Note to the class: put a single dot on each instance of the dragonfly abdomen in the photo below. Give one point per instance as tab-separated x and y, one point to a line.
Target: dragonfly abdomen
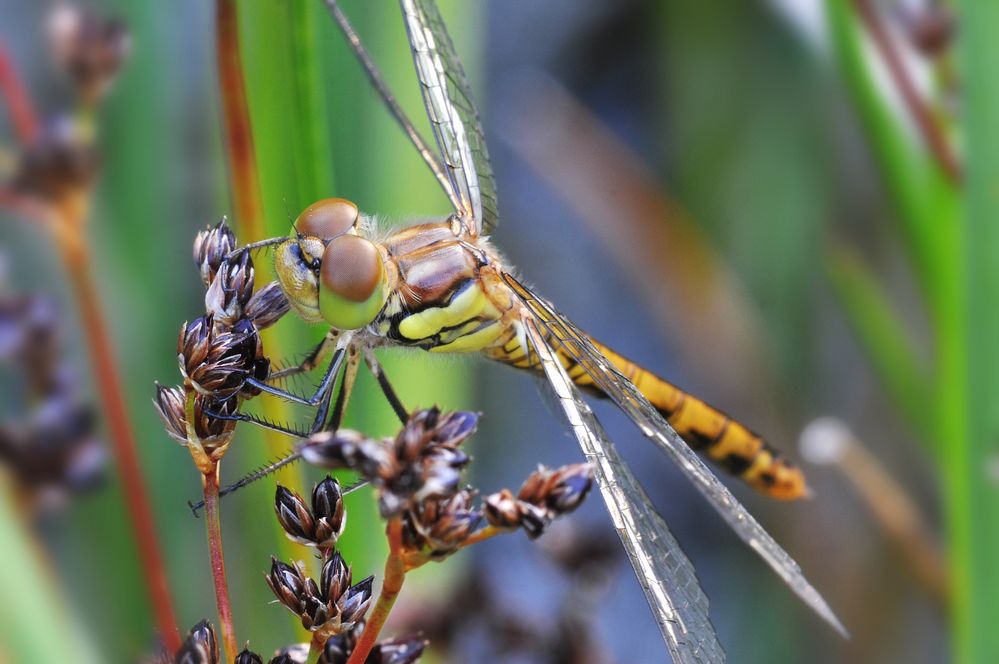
706	429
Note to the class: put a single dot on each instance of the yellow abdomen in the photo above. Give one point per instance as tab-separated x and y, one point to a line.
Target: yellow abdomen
706	429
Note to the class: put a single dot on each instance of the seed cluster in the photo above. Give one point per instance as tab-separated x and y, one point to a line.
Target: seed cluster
418	477
335	607
219	351
52	450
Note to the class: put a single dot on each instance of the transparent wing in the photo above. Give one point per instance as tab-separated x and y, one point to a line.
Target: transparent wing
654	427
453	116
664	571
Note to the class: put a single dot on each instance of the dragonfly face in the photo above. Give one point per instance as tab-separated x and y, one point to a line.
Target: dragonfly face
444	289
328	271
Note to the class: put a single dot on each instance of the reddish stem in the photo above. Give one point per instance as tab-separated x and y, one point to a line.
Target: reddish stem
242	160
213	524
921	113
123	443
22	113
395	575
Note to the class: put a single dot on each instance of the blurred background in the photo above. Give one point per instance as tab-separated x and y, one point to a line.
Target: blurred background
741	196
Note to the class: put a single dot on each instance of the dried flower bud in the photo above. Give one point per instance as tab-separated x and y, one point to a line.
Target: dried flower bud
293	654
354	603
288	584
169	403
400	650
335	578
285	658
231	289
294	515
200	646
211	246
437	528
213	432
561	490
267	305
217	362
58	164
455	427
502	509
346	449
338	648
89	47
248	657
328	510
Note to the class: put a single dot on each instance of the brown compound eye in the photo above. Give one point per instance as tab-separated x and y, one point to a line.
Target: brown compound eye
327	218
351	283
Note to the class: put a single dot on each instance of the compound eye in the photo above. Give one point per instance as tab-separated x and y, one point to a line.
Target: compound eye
352	283
327	218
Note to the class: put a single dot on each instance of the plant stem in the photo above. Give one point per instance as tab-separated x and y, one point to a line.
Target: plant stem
921	113
19	104
123	442
242	160
213	525
395	575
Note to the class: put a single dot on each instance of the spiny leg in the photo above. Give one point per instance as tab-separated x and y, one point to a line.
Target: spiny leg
311	361
322	390
321	398
346	388
385	385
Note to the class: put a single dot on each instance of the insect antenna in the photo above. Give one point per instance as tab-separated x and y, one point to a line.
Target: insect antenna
253	246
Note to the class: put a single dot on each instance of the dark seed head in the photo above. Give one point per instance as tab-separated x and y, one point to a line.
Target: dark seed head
294	515
267	305
211	247
335	578
248	657
338	648
327	508
89	47
200	646
169	403
288	584
231	289
400	650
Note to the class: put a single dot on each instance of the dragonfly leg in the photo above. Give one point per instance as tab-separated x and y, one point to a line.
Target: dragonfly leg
253	419
321	393
311	361
346	388
383	382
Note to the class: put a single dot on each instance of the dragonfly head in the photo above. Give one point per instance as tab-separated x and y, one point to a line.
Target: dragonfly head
328	271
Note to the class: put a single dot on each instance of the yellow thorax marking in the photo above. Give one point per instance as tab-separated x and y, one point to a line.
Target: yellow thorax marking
465	306
475	341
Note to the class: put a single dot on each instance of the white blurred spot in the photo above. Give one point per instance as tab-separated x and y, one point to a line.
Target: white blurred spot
825	440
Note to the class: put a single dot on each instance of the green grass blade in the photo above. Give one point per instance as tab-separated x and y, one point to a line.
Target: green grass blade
884	338
971	400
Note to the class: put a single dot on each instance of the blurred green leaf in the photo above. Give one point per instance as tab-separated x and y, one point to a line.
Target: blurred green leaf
885	339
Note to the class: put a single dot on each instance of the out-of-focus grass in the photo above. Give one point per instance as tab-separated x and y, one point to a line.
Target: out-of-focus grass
951	236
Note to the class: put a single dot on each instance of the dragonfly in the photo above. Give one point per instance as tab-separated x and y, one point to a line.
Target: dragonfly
443	287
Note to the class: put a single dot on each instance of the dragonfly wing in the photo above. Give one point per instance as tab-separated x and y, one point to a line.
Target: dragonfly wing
664	571
654	427
453	116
